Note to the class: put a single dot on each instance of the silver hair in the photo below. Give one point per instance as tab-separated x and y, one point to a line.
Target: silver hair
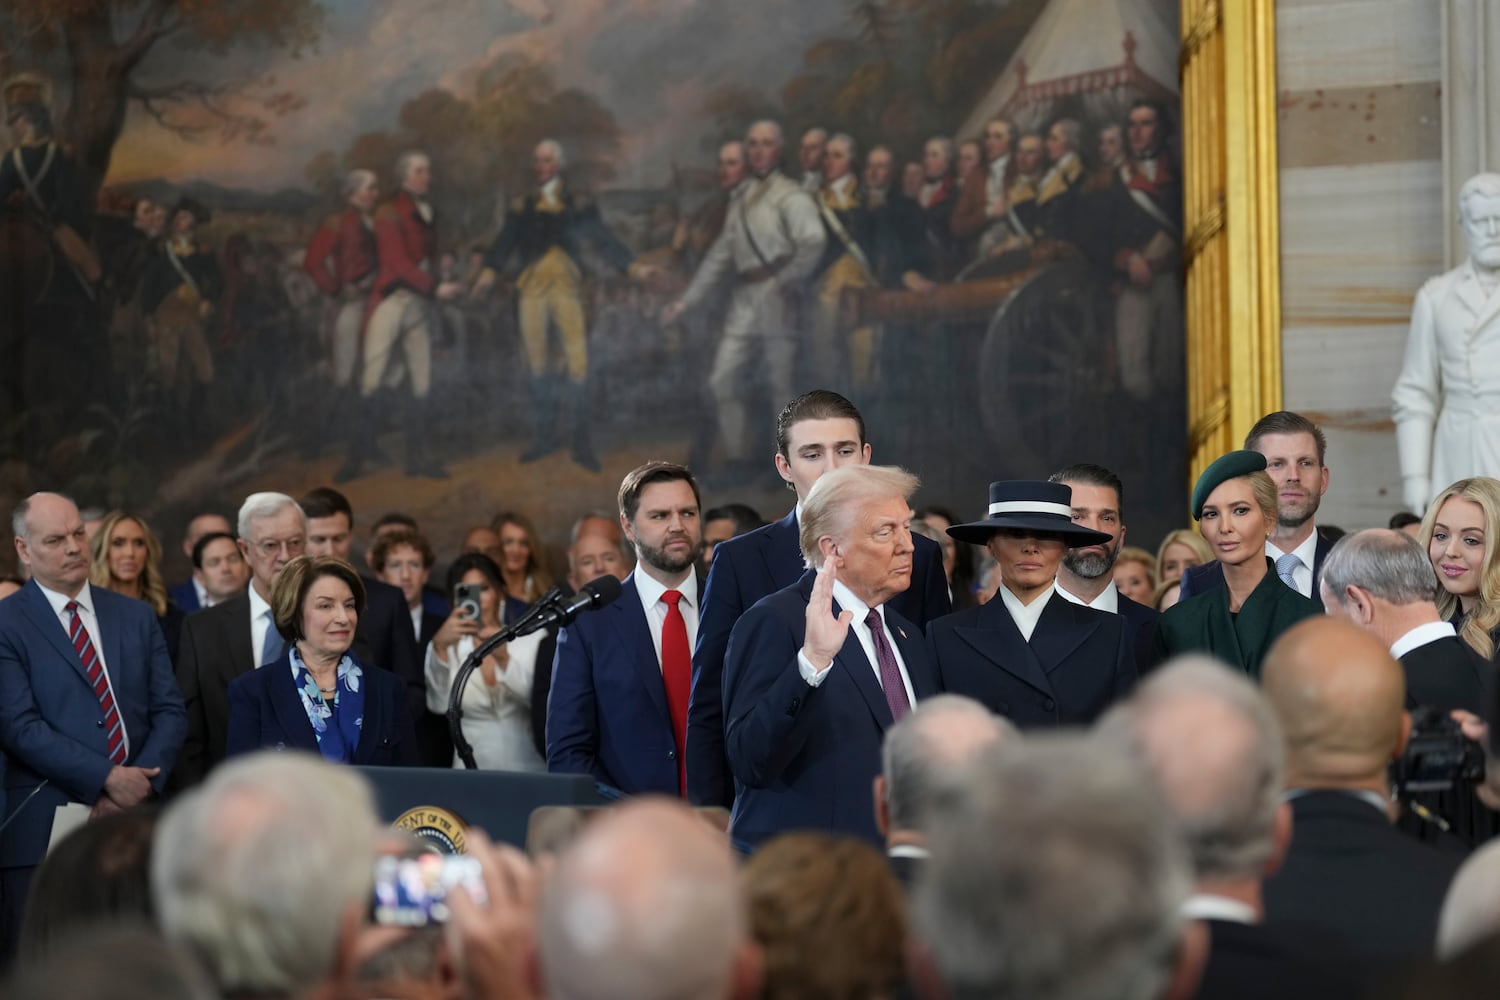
405	161
254	869
18	526
1391	565
1071	130
1471	911
1486	185
555	148
838	496
1224	791
944	143
1055	874
593	515
923	751
771	124
847	141
664	926
262	505
357	180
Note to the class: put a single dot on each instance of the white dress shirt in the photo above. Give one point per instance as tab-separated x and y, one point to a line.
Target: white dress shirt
416	621
204	601
650	589
846	601
1421	636
1206	906
90	620
260	624
497	720
1026	615
1108	599
1308	553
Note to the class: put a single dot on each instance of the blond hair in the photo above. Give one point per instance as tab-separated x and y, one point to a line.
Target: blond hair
836	498
153	587
1480	622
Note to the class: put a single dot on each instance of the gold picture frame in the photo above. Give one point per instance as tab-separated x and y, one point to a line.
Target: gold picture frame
1231	232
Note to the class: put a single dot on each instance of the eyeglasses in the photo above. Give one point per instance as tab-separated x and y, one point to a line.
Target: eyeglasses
268	547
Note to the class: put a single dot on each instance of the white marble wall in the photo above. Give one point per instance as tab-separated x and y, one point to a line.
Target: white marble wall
1361	224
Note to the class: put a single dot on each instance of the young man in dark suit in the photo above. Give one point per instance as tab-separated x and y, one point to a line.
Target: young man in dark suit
89	710
1029	654
818	671
1294	448
1086	575
620	679
816	432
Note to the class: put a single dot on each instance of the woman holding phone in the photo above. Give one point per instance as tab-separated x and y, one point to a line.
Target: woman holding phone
497	700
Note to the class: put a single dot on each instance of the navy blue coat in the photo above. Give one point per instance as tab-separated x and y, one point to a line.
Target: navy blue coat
186	596
607	712
265	712
1140	622
1079	661
803	757
746	569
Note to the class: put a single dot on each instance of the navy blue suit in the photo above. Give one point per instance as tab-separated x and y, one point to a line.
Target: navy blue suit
185	596
1197	579
1078	662
52	726
607	712
745	569
265	712
1141	624
803	757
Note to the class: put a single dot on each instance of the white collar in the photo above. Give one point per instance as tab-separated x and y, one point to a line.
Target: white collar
848	601
258	605
1026	615
1108	599
1375	801
59	600
1207	906
549	189
997	167
907	851
1307	551
1420	636
841	185
651	589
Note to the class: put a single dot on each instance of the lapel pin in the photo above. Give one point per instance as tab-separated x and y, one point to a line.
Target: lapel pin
900	632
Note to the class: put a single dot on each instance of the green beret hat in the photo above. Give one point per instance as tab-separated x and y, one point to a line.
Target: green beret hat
1221	470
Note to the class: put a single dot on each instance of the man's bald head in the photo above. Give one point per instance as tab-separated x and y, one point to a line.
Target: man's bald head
645	904
1340	697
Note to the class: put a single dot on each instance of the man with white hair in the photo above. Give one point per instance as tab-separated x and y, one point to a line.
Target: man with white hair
1383	581
265	872
1447	427
818	671
547	231
1055	873
237	636
1215	748
922	754
771	242
811	152
646	905
398	337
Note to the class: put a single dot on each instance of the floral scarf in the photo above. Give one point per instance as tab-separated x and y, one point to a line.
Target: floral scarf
336	727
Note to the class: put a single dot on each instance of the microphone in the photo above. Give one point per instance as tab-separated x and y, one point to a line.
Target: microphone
591	596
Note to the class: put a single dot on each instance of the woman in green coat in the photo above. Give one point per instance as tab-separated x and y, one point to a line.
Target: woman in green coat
1234	504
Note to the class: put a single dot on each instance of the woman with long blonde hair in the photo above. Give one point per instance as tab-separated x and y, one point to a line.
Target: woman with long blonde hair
125	556
1459	532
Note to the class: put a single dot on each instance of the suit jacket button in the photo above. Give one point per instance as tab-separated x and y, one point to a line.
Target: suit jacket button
1049	704
100	724
671	755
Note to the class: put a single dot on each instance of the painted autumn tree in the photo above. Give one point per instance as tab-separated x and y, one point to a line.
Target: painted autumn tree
106	56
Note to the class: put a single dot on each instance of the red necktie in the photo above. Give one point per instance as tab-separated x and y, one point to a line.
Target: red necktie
677	676
84	647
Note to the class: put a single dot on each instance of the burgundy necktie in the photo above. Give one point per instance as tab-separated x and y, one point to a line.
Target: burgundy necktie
890	673
677	676
84	647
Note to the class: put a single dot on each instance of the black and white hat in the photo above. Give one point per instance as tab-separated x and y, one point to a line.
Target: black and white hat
1030	505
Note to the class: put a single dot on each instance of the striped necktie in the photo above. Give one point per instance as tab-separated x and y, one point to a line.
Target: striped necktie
83	645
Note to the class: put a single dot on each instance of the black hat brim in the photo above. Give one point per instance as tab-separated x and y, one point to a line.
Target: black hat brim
1076	535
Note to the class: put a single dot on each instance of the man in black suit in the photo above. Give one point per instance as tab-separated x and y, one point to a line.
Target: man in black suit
923	753
1216	750
1030	655
383	634
229	639
1382	581
818	431
1294	448
1086	575
1349	872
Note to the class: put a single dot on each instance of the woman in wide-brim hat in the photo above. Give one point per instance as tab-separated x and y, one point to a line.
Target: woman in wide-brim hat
1234	504
1031	654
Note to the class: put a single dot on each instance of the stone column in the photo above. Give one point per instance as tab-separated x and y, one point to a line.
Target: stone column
1471	135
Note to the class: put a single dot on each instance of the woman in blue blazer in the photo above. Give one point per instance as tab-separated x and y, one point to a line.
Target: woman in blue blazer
317	696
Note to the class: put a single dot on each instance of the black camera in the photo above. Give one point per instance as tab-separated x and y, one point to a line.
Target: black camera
1438	756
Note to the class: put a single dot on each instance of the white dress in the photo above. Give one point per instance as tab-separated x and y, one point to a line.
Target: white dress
497	720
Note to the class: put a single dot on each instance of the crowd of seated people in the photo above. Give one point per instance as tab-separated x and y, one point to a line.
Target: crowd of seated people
863	751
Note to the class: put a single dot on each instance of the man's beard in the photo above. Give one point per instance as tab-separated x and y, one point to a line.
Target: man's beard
660	559
1289	521
1090	565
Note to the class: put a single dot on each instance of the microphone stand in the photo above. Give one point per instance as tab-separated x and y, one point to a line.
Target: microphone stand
522	626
